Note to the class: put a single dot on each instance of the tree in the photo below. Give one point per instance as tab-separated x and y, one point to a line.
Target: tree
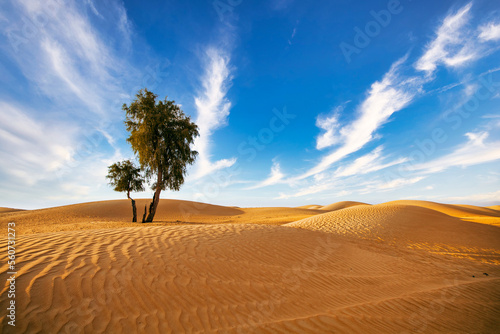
124	176
161	136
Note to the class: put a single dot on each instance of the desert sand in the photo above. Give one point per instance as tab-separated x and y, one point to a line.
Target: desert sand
347	267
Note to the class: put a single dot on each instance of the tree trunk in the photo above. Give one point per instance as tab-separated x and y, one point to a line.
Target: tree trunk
134	209
156	197
144	215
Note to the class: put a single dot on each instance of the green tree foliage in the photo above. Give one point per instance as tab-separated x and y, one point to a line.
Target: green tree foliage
125	177
161	136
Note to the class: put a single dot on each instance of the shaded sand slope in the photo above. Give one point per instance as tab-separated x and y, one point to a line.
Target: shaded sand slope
410	226
333	206
118	213
341	205
310	206
237	278
7	210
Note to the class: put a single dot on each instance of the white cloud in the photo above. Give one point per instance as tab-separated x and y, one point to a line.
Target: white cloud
276	176
397	183
475	151
66	58
307	191
385	97
32	150
450	46
330	124
93	8
490	32
454	45
74	74
485	199
368	163
212	110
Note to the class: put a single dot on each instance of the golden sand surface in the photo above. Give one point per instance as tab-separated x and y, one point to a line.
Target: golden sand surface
341	205
398	267
9	210
118	213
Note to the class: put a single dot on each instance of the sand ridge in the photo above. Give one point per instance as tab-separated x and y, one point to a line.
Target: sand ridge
118	213
9	210
410	226
310	206
451	209
341	205
333	206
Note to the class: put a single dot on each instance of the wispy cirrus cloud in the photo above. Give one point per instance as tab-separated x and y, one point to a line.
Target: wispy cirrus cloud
76	74
212	108
492	198
490	32
393	184
66	57
449	47
309	190
345	177
368	163
33	149
457	43
473	152
330	124
454	45
276	176
385	97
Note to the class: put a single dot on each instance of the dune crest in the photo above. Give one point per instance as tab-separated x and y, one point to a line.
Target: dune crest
118	213
410	226
342	205
451	209
310	206
8	210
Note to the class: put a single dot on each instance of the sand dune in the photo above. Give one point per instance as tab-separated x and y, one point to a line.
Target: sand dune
451	209
7	210
341	205
238	279
118	213
483	215
367	268
333	206
310	206
412	227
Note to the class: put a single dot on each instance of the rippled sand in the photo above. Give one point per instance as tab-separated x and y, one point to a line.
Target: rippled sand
404	267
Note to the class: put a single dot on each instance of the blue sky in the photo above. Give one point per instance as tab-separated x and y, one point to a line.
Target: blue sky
297	102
